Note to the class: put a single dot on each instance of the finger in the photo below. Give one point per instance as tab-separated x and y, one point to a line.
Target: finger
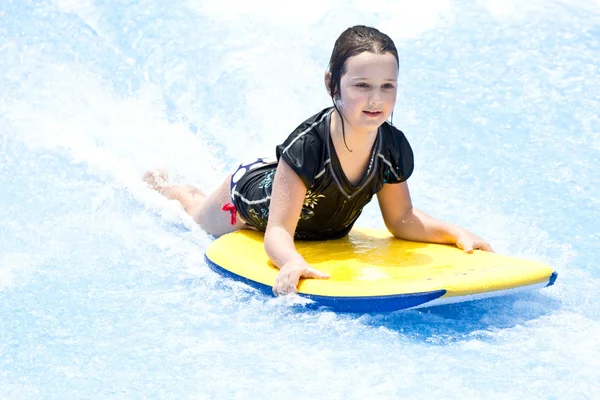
285	284
315	273
486	247
291	283
278	287
291	288
468	247
283	289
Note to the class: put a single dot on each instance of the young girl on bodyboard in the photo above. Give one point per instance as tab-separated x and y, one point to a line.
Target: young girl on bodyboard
327	170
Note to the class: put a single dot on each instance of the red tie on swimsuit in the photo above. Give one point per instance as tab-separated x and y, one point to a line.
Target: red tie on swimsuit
232	210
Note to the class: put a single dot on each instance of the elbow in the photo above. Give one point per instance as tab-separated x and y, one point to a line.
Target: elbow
267	241
400	224
271	239
396	230
390	226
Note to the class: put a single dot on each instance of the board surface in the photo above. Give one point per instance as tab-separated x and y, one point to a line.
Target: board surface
371	271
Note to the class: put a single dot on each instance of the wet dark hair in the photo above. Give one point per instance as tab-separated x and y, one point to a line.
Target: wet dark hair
354	41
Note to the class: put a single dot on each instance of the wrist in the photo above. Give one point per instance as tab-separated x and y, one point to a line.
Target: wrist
295	261
454	233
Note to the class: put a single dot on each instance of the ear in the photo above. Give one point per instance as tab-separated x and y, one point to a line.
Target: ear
328	83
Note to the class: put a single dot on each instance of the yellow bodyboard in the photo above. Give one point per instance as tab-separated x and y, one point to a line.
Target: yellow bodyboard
373	271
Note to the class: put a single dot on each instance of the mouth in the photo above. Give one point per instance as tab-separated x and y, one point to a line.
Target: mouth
372	113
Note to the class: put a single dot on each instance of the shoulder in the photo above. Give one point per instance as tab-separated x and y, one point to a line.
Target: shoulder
304	149
396	152
315	126
316	121
312	131
392	135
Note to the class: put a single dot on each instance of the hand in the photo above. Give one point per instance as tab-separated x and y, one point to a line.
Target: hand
290	274
468	242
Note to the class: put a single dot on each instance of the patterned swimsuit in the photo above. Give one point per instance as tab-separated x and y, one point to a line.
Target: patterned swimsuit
332	203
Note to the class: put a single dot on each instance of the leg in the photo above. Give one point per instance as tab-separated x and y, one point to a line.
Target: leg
210	215
206	210
190	197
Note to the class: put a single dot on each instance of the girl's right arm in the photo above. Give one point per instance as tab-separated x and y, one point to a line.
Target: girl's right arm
287	199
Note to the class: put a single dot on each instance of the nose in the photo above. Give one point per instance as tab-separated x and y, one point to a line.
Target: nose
375	97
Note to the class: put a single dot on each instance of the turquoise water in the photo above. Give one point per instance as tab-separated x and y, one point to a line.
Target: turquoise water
103	289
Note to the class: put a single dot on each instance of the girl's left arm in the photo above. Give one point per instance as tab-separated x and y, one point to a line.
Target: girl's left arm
406	222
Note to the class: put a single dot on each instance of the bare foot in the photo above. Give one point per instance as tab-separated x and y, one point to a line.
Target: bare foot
156	179
191	198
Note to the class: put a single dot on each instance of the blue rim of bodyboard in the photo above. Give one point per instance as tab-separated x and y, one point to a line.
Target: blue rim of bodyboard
351	304
552	279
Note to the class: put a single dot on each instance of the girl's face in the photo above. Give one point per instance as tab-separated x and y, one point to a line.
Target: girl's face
368	90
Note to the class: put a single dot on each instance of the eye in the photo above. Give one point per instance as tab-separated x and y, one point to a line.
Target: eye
362	85
388	86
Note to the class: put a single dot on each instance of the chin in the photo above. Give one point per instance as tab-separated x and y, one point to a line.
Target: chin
373	122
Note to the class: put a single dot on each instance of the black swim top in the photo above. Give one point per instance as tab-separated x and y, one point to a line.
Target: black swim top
332	203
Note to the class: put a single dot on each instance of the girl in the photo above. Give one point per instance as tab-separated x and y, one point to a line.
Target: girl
327	170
